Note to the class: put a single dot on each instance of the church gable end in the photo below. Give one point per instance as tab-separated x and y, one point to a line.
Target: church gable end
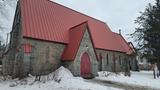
86	46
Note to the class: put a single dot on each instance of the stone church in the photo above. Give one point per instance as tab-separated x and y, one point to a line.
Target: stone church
46	35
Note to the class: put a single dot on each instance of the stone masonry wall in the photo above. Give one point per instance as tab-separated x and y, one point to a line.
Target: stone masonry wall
107	62
74	66
8	61
44	58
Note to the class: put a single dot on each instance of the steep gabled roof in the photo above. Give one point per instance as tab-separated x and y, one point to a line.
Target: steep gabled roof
75	38
46	20
124	44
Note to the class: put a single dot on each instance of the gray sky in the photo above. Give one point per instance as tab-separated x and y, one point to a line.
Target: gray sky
118	14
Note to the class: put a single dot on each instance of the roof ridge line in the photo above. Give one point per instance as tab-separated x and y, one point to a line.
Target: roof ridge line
117	34
77	11
126	42
78	25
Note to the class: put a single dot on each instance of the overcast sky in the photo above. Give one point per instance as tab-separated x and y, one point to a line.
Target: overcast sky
118	14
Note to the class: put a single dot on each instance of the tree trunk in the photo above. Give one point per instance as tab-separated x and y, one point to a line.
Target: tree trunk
154	73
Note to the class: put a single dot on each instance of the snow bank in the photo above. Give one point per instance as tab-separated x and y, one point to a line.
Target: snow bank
61	79
107	74
62	73
58	75
77	83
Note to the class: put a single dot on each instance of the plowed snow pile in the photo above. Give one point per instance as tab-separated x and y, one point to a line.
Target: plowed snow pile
61	79
62	73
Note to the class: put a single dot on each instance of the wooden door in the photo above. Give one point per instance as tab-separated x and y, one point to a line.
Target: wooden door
85	66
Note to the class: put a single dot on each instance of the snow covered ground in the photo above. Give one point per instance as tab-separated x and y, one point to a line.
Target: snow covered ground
142	78
61	79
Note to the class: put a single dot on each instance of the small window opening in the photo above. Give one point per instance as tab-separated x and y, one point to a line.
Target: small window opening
107	60
0	62
120	62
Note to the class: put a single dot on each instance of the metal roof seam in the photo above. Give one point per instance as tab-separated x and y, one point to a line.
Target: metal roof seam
77	12
53	25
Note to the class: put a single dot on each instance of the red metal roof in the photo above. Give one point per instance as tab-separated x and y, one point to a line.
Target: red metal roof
75	37
46	20
123	43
